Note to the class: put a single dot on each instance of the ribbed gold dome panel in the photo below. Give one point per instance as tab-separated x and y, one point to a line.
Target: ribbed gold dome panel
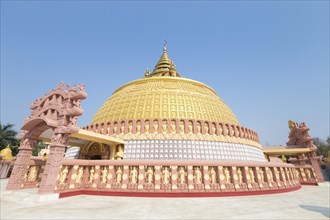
165	97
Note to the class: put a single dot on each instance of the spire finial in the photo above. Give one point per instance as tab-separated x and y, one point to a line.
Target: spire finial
165	42
147	74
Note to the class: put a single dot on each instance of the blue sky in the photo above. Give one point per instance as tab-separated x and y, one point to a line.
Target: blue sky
269	61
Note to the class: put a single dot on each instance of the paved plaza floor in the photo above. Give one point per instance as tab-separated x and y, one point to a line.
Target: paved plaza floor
310	202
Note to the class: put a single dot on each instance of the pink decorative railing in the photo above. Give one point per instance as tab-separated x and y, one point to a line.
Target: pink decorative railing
178	176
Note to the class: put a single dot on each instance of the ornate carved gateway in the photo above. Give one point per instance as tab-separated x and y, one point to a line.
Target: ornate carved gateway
58	110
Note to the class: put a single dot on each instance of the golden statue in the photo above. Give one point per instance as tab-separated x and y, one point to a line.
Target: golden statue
227	175
164	126
239	174
155	126
149	174
213	130
91	174
6	154
297	173
182	175
122	128
80	175
119	174
120	152
147	126
32	174
190	127
206	128
181	127
138	127
198	128
130	127
262	175
166	175
271	176
173	127
198	175
213	175
251	174
115	127
63	175
104	175
134	175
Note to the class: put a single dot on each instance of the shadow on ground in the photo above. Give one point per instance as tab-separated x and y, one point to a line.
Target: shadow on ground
323	210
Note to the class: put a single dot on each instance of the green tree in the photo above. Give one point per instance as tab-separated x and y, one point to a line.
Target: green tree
7	135
39	146
323	147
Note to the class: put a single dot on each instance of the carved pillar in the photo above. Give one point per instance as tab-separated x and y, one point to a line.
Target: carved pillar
125	181
110	177
158	178
174	179
21	164
141	178
96	178
235	178
221	177
258	175
206	178
247	177
52	168
190	174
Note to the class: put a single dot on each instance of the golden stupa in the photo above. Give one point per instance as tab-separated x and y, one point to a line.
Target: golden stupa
165	94
166	116
6	153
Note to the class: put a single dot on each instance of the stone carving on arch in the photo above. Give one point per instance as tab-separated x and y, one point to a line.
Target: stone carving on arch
58	110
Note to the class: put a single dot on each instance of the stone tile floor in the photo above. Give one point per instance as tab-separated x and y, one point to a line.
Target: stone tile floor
310	202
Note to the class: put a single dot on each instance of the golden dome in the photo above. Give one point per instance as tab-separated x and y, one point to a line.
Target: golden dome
164	94
165	97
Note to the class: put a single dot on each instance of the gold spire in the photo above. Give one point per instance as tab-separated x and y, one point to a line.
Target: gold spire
164	66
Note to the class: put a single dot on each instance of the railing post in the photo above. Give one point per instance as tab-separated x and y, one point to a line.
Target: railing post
174	179
125	181
141	178
158	178
110	178
190	174
206	177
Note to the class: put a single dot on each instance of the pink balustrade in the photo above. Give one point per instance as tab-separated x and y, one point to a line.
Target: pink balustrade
170	178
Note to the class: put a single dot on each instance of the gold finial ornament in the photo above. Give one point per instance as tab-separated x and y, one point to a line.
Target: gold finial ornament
164	49
291	124
147	74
